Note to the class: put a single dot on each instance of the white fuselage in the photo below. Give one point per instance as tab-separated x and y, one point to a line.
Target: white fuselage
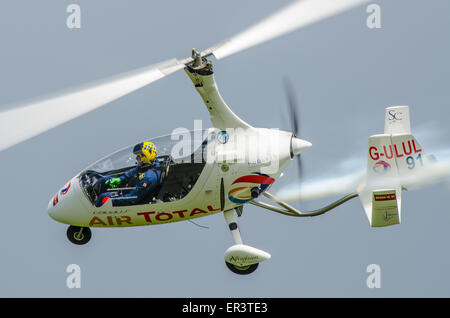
241	159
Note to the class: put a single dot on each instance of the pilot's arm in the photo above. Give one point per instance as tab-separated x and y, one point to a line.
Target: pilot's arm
115	182
143	188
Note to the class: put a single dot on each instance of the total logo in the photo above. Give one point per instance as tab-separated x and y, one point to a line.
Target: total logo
65	189
55	199
381	167
241	187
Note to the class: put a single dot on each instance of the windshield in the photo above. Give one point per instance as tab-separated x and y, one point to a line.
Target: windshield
183	147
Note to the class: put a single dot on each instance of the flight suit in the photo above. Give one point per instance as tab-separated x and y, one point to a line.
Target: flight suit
144	179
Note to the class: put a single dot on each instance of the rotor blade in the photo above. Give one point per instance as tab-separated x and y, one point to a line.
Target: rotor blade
26	121
297	15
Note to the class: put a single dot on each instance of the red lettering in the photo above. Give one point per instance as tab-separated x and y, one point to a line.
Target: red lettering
396	152
404	148
180	213
110	220
169	216
197	211
374	154
147	215
385	197
211	209
123	219
385	152
160	215
414	146
96	221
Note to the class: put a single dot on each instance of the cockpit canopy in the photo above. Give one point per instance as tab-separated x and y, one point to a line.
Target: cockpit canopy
185	147
180	159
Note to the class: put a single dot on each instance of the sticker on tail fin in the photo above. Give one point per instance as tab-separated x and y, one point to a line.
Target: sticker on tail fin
397	120
386	207
382	206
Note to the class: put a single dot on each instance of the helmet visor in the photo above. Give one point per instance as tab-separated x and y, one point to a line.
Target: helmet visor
137	150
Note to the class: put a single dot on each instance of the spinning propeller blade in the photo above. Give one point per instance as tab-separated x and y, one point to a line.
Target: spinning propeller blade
26	121
293	106
297	15
294	116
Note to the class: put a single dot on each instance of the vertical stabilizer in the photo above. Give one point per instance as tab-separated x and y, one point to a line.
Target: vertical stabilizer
394	160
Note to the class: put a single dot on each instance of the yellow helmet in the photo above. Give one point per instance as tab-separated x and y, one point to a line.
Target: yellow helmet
146	151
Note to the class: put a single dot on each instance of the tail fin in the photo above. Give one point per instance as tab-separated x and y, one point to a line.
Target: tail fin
392	157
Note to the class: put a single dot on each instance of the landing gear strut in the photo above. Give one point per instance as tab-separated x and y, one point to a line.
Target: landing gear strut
240	258
79	235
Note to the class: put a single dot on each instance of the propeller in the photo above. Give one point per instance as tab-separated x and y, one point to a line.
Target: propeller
294	117
31	119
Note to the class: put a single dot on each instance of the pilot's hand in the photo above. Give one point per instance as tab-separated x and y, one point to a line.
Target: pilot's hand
113	182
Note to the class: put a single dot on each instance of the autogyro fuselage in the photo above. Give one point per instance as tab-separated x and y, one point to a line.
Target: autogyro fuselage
203	173
230	165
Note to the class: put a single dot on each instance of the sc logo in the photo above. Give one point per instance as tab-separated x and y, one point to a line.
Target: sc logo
393	115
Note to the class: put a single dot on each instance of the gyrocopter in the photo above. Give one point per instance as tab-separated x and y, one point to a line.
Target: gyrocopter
230	165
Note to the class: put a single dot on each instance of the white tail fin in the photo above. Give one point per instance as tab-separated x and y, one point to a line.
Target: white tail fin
392	157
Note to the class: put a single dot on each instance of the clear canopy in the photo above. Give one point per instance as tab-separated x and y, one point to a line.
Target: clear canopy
183	147
180	160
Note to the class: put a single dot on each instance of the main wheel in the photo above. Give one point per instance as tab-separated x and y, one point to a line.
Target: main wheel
242	270
79	235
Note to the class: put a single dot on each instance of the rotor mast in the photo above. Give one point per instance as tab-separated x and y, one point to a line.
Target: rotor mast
200	71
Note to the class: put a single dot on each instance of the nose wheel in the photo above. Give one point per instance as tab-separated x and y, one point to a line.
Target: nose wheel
79	235
242	270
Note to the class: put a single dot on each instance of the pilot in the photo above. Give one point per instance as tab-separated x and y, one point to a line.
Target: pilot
142	176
